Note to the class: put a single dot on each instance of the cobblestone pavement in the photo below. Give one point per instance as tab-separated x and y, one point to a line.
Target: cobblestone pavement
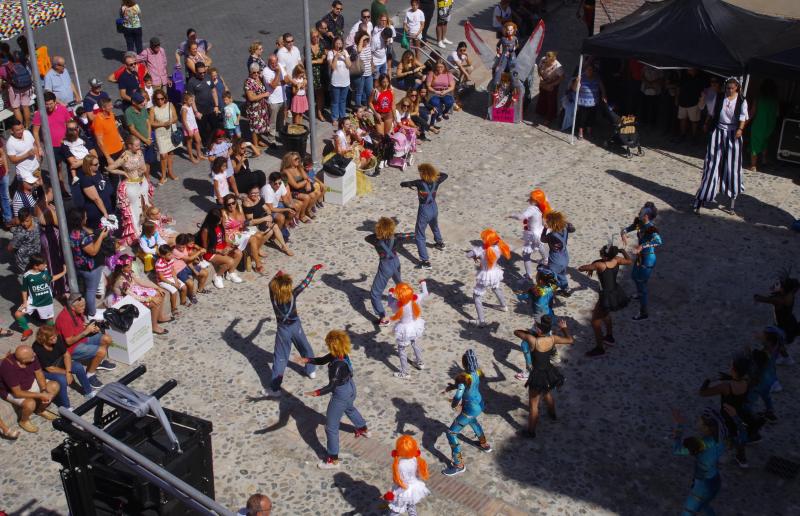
610	450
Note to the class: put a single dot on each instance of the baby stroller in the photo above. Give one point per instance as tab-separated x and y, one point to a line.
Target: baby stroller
626	134
404	144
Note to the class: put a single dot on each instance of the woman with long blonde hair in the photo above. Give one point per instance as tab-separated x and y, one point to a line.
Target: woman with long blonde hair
290	329
532	227
409	326
490	274
409	471
556	237
343	389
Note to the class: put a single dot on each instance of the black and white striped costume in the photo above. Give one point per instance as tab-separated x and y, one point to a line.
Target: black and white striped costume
722	169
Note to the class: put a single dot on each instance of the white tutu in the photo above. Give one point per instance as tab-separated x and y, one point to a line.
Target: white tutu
488	279
405	332
415	491
530	244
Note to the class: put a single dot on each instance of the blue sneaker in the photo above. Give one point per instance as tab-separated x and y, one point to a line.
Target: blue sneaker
107	365
285	233
95	382
451	471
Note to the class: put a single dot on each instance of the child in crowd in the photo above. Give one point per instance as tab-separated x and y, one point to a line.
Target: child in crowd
191	134
149	242
428	212
148	91
37	294
409	471
189	257
153	214
409	326
165	274
232	116
221	187
299	99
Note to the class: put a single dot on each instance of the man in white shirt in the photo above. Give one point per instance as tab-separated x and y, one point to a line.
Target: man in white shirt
280	202
23	152
366	17
288	55
380	50
274	77
412	24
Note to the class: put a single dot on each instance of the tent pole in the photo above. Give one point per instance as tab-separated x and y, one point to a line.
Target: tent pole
55	183
72	56
746	84
575	107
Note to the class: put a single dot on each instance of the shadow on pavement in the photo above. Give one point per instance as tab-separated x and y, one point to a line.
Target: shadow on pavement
362	497
413	414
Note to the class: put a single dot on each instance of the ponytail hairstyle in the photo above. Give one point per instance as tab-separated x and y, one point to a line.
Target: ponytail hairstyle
650	210
609	251
404	295
538	197
406	448
490	238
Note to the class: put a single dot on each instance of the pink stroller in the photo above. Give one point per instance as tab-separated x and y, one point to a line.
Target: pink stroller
404	144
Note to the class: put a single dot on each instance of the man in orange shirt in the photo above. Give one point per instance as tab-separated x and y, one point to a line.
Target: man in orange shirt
106	133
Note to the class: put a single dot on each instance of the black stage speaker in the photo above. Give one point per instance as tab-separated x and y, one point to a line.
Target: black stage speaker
100	482
789	144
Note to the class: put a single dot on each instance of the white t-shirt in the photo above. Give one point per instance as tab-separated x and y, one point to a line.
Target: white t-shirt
272	196
500	13
726	120
454	58
18	147
340	75
221	181
275	94
379	46
288	60
415	20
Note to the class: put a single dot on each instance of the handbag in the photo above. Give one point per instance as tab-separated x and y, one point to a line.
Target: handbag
356	67
336	166
176	135
120	25
404	41
121	318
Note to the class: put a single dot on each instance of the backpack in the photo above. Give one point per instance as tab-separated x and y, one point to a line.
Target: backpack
20	76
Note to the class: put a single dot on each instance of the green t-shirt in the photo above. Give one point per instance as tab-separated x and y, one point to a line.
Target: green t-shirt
376	10
38	286
138	120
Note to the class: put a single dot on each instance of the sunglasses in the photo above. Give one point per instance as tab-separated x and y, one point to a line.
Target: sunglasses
288	41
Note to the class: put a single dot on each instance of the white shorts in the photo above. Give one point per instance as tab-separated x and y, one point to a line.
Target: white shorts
45	312
169	287
18	401
692	113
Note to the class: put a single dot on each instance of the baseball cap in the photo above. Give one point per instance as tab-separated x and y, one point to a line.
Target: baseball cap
94	81
219	133
74	297
137	98
31	179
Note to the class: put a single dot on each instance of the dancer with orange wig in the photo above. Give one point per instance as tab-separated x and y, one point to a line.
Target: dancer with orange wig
409	326
490	274
409	471
532	228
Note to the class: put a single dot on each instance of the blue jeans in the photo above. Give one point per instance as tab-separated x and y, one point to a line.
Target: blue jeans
287	335
341	403
338	101
362	87
560	270
641	275
442	105
91	280
427	215
386	269
380	70
5	201
62	399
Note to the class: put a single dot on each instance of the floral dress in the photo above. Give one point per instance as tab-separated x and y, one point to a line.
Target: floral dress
258	111
316	69
26	243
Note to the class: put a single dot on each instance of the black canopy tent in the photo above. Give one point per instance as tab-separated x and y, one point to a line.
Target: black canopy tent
708	34
782	64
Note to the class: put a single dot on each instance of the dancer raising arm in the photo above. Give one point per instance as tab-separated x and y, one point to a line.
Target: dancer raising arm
556	236
649	239
428	212
490	274
385	241
532	229
706	450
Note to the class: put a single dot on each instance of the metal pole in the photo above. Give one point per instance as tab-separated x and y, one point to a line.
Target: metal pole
575	107
134	457
312	101
47	141
746	84
72	56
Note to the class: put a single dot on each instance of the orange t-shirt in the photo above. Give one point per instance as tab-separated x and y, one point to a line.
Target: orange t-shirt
105	130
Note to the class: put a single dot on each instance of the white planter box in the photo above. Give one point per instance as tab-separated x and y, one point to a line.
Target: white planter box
130	346
339	190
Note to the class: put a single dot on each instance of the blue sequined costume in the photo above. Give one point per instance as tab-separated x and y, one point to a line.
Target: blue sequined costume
649	239
467	387
706	482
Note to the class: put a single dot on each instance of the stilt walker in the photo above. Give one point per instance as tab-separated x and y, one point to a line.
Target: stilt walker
532	228
385	241
290	329
469	397
722	168
409	471
409	326
490	274
342	390
649	239
428	212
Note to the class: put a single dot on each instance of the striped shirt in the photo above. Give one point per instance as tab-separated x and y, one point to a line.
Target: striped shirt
22	200
164	269
366	59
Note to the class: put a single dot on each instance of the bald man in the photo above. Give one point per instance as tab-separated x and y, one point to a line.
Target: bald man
58	80
22	383
257	505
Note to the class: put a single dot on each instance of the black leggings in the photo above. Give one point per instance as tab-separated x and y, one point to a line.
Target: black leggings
586	117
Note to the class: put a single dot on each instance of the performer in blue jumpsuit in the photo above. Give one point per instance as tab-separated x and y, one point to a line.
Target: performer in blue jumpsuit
342	390
649	239
467	395
556	236
428	212
541	296
385	241
706	451
290	329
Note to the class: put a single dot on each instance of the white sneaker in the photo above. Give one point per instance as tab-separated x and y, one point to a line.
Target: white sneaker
447	41
401	375
232	276
217	281
776	387
382	164
441	44
503	309
521	376
475	322
269	393
419	365
312	374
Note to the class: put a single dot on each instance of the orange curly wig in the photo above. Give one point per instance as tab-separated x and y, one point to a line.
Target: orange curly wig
406	448
490	238
404	295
